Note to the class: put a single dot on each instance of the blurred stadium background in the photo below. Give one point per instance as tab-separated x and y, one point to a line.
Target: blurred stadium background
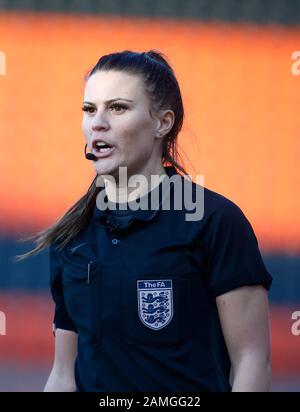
233	62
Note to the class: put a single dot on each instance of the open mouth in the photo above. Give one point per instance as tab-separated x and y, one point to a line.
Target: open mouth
101	147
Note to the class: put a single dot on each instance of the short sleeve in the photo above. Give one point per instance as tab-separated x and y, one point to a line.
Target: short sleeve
232	253
61	317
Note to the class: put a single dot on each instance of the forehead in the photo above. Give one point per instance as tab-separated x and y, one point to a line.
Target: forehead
105	85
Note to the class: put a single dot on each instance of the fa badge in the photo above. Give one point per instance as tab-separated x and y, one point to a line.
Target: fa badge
155	302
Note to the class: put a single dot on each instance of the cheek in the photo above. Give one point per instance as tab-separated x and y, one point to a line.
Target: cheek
85	127
138	133
136	148
137	124
125	138
131	142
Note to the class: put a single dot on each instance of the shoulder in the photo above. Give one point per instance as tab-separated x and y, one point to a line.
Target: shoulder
57	255
215	205
55	260
225	226
56	249
208	210
226	219
219	205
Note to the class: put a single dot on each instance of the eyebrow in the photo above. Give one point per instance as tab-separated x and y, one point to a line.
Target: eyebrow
110	101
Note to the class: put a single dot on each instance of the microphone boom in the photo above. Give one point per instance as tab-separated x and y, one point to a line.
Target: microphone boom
89	156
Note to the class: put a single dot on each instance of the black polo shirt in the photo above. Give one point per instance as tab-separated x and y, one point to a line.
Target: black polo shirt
142	295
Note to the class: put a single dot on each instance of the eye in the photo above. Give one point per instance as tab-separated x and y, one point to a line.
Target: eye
88	109
118	105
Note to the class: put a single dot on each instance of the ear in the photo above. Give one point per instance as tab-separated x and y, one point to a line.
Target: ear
165	122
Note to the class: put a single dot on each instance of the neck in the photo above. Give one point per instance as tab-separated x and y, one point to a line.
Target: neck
128	188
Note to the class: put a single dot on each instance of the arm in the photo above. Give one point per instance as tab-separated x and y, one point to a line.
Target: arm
61	378
244	316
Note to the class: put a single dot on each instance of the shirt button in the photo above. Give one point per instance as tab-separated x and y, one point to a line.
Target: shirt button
115	241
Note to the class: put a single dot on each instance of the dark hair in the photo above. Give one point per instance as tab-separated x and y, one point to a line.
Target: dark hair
163	91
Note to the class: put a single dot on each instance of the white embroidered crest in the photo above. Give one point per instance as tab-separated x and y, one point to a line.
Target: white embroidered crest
155	302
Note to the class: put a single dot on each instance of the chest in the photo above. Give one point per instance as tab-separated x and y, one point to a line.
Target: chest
144	286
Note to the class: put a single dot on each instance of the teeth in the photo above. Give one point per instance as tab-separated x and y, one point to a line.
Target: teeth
105	149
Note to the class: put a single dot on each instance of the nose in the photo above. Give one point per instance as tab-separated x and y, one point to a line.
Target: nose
99	121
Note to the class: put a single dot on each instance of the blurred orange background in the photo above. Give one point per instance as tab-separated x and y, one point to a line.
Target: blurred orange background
241	132
241	100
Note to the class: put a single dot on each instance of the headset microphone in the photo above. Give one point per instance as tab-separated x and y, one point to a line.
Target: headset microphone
89	156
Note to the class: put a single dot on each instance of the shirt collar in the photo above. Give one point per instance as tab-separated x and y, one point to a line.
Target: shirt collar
140	214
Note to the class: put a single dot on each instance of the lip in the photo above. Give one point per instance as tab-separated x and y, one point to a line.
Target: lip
95	151
99	139
100	155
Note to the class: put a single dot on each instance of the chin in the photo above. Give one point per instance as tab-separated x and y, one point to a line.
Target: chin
107	170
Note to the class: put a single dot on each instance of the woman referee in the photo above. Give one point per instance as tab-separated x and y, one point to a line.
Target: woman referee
146	299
